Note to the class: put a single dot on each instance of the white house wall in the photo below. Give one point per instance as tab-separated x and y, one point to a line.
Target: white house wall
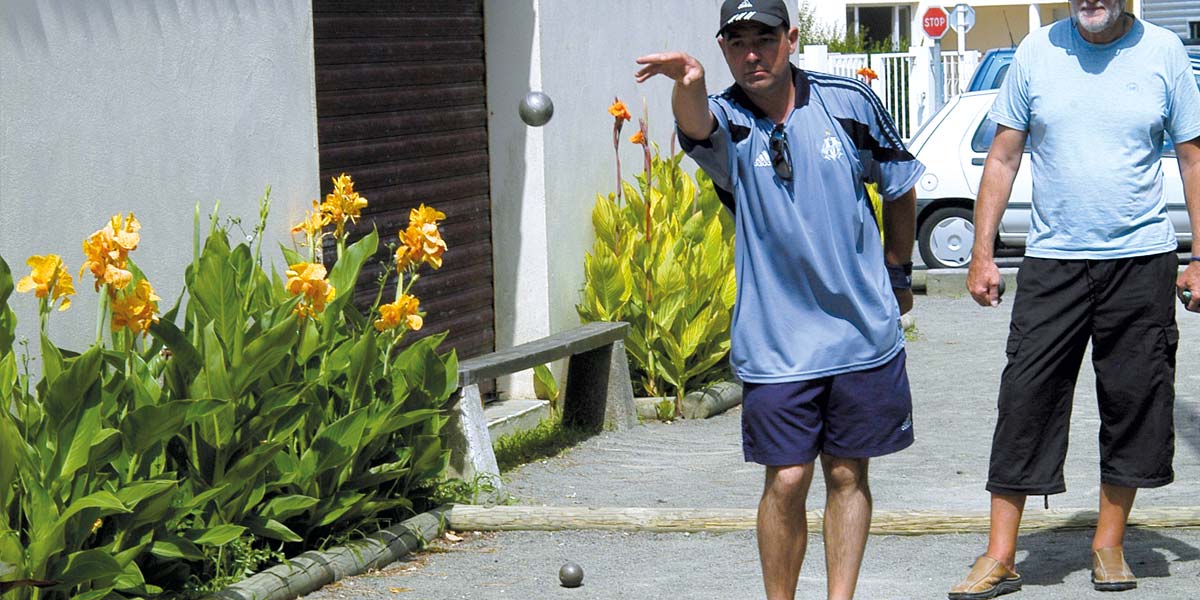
545	180
1172	14
111	106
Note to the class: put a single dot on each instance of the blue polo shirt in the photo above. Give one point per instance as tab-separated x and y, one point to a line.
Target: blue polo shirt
813	296
1096	116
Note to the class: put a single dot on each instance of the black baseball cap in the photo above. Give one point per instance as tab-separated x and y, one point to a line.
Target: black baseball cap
771	13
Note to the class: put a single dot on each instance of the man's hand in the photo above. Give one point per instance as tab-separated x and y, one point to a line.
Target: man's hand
689	99
1189	279
680	67
904	297
983	282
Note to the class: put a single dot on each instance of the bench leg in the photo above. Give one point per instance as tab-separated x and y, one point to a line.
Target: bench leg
470	443
599	393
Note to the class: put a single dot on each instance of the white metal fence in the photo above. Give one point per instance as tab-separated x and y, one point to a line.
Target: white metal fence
904	78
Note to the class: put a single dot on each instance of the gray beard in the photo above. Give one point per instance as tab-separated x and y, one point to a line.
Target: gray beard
1094	27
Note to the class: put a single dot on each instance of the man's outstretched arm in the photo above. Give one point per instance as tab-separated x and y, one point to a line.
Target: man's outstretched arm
689	99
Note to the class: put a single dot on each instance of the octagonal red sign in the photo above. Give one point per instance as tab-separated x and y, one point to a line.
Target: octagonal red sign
935	22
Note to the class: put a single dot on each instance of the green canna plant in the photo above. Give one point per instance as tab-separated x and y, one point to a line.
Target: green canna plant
263	416
663	261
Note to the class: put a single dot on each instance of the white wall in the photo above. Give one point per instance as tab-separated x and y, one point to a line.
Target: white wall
545	180
148	106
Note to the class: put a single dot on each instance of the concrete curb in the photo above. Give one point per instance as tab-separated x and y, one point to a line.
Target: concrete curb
312	570
952	283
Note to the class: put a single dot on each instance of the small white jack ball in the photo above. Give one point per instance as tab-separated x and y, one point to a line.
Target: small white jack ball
536	109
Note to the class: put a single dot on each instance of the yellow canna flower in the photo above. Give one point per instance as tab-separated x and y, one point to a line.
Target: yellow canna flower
48	279
422	241
618	110
343	204
107	252
401	312
314	222
308	281
425	214
638	138
135	310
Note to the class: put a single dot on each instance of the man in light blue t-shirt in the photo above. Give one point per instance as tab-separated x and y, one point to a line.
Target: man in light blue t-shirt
816	333
1095	95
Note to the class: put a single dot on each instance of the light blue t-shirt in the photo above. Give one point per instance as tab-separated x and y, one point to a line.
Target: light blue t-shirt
1095	116
813	296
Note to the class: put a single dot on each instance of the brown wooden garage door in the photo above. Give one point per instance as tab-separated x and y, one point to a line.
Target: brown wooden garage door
401	107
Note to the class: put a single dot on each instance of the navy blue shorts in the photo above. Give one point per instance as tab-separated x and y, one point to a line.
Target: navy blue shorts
853	415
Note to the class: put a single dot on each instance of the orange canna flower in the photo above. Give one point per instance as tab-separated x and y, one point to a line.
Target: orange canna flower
638	138
107	252
425	214
422	241
404	311
618	110
308	281
136	310
49	278
314	222
867	73
343	204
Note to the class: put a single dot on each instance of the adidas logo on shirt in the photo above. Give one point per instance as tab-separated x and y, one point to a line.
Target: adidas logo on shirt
763	160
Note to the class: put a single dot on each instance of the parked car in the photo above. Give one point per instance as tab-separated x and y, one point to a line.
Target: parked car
991	70
994	66
953	145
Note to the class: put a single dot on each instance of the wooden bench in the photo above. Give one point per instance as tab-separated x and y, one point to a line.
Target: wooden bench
597	394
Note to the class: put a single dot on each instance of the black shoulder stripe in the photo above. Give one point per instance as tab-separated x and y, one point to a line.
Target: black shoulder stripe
860	134
726	198
886	124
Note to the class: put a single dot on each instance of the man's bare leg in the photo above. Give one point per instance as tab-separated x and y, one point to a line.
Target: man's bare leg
1005	524
783	528
847	522
1115	504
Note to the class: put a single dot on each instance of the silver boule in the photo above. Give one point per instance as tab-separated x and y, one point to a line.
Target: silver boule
571	575
536	108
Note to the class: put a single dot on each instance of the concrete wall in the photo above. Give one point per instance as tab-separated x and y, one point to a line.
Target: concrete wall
148	106
545	180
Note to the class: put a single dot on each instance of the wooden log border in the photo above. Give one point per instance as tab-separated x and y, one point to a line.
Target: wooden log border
313	570
463	517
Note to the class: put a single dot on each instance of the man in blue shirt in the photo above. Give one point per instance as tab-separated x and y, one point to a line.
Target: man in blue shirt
1095	95
816	334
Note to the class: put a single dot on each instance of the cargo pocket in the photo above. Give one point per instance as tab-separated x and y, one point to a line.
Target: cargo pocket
1170	340
1013	345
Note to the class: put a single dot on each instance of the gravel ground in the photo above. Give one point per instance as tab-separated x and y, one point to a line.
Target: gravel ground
954	366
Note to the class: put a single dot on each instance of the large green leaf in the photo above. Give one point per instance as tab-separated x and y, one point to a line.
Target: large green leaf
88	566
175	547
216	536
8	320
286	507
262	354
214	290
336	444
345	272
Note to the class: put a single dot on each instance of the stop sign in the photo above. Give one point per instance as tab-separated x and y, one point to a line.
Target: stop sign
935	22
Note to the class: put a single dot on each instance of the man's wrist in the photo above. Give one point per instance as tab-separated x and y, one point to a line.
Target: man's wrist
1194	259
900	275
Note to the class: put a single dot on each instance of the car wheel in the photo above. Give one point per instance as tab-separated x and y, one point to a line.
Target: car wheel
946	237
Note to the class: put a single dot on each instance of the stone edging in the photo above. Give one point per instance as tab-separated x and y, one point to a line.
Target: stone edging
312	570
700	404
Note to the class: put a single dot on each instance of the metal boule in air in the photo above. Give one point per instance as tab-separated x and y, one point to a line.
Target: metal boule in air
571	575
536	109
